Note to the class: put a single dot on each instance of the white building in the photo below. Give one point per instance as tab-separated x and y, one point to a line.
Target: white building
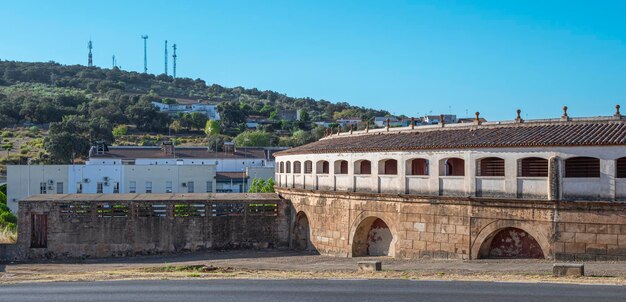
164	169
559	159
173	109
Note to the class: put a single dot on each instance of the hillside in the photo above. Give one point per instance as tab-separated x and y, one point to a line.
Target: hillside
82	104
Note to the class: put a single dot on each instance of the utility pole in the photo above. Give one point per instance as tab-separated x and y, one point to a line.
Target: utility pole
165	57
174	63
145	53
90	56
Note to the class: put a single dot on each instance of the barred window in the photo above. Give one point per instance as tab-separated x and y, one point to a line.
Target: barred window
297	167
533	167
621	168
582	167
419	166
322	167
308	167
288	167
388	167
341	167
363	167
453	167
490	166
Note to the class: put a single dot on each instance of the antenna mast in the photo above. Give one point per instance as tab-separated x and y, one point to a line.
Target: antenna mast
165	57
174	63
90	56
145	53
114	62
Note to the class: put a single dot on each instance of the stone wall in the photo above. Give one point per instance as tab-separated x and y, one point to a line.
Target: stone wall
86	229
462	227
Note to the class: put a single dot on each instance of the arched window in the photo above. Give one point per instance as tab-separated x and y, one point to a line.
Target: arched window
452	167
308	167
297	167
621	168
282	167
532	167
388	167
322	167
582	167
341	167
490	166
288	167
417	166
363	167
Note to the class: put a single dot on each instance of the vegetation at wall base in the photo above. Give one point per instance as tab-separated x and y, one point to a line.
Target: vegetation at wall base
8	221
260	185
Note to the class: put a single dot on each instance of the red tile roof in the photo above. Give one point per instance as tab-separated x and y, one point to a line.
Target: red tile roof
181	152
585	132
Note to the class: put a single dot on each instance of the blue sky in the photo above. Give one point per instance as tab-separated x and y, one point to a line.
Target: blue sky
408	57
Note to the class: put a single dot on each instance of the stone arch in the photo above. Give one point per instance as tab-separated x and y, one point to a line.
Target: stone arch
373	237
302	233
498	229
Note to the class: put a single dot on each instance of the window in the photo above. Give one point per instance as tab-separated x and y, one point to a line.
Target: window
490	166
533	167
132	187
116	187
322	167
99	188
388	167
288	167
190	187
418	166
43	189
148	187
297	167
209	186
168	186
341	167
79	188
59	188
308	167
282	167
363	167
621	168
453	167
582	167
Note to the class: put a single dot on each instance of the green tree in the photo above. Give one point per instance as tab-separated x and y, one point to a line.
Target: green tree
198	120
146	117
73	137
212	127
120	130
253	139
260	185
7	147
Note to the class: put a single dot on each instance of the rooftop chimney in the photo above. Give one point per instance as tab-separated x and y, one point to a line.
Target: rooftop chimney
617	114
477	120
168	147
565	117
229	147
519	116
100	147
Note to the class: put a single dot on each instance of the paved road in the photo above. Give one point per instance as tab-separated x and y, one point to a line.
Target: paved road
307	290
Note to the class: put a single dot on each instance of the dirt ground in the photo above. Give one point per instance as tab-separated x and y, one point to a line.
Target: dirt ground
275	264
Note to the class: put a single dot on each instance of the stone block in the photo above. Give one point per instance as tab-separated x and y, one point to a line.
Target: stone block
596	228
427	236
621	240
462	229
575	227
370	266
575	247
568	270
596	249
586	237
419	226
419	245
567	237
606	238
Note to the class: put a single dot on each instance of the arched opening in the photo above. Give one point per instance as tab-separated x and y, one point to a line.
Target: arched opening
372	238
341	167
490	166
510	243
282	167
620	167
308	167
288	167
297	167
363	167
322	167
302	233
533	167
417	166
582	167
452	167
388	167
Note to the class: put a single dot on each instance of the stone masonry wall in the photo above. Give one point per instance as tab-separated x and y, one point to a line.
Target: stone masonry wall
126	228
463	228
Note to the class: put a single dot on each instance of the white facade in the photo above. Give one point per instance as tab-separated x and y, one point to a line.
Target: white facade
511	185
209	110
28	180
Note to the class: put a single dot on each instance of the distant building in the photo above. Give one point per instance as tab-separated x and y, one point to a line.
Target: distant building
173	109
164	169
435	119
381	121
289	115
349	121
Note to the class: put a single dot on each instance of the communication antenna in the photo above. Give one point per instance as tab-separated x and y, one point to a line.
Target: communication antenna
114	62
165	57
174	61
145	53
90	56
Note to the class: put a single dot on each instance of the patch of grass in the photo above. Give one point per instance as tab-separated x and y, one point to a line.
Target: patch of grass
8	235
183	268
194	275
